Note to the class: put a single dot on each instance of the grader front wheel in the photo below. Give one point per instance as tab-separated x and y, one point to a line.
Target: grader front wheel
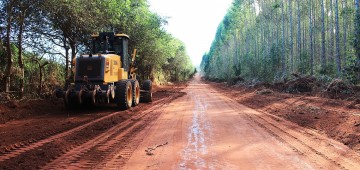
123	95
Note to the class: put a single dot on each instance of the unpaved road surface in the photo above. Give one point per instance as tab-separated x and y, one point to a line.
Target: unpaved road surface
197	127
85	138
207	130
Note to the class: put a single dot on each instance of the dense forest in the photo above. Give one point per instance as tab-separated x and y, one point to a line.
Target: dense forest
40	38
271	40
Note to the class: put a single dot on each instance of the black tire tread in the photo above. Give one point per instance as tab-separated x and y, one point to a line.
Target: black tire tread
133	84
121	94
147	86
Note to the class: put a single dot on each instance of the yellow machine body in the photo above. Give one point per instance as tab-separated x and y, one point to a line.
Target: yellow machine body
113	71
106	75
106	66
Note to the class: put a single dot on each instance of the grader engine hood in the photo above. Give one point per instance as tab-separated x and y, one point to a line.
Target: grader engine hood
101	68
90	69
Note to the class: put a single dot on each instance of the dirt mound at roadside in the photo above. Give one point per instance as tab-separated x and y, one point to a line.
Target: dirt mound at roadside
264	91
235	80
338	89
5	97
302	84
14	110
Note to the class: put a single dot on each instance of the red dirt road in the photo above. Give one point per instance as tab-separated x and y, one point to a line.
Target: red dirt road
207	130
200	126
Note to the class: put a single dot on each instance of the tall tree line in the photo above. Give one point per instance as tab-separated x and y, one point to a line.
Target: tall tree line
35	35
268	40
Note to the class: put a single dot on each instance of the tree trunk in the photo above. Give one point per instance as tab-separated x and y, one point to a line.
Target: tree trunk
237	56
323	51
20	60
345	15
291	36
311	40
304	40
313	13
66	62
283	64
277	28
357	38
332	35
40	79
299	30
337	34
9	11
247	47
357	32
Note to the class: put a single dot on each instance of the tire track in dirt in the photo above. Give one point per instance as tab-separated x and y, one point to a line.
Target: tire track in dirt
23	151
118	159
10	148
35	144
112	147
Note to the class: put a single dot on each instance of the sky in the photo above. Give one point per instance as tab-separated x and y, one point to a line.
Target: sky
194	22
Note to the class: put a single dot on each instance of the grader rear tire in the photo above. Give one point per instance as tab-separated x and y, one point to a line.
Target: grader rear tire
147	86
136	92
123	95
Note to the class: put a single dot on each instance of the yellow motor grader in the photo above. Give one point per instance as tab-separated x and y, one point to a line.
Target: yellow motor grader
106	75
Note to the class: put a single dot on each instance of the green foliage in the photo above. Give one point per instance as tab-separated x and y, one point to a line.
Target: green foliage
352	71
276	5
304	64
58	30
328	70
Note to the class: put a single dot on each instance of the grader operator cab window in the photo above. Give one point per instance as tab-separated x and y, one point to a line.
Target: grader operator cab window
107	44
117	45
110	43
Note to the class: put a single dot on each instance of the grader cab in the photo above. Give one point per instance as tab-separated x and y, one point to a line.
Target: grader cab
106	75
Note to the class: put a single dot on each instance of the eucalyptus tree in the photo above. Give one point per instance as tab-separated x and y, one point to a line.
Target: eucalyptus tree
337	39
299	29
331	31
283	58
345	17
291	37
311	38
357	30
357	39
323	49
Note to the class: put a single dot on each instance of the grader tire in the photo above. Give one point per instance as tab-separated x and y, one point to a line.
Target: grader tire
147	86
123	95
135	92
